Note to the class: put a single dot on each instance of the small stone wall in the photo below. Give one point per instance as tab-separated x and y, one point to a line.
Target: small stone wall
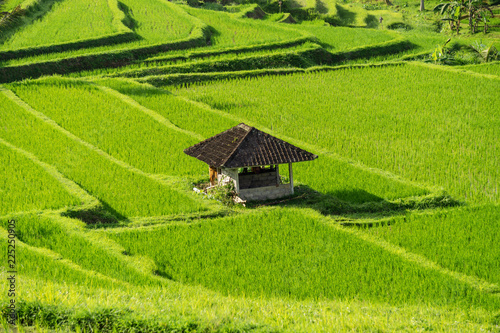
253	180
265	193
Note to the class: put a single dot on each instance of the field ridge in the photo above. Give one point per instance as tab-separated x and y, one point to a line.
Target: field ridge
474	282
455	70
159	179
52	255
70	186
156	116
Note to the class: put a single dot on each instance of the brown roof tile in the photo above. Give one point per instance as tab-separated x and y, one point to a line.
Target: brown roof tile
243	146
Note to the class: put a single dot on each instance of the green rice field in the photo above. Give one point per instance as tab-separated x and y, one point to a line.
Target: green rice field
96	21
106	225
27	186
462	240
437	148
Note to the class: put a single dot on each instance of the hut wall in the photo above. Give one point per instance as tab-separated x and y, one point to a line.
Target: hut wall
228	175
252	180
265	193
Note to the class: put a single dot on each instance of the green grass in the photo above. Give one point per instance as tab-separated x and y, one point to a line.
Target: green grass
305	56
112	125
87	19
229	31
462	240
423	44
302	4
444	133
326	7
52	303
350	183
184	60
154	21
342	38
487	68
66	238
47	266
339	179
353	16
181	113
11	4
26	186
158	21
389	138
289	254
127	192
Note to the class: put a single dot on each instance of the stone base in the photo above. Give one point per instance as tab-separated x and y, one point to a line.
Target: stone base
265	193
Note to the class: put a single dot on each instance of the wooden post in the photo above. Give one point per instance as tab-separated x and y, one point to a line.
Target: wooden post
277	175
290	171
213	175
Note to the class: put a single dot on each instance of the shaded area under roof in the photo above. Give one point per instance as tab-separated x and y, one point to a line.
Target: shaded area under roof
244	146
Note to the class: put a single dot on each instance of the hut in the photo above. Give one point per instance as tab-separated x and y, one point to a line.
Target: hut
251	160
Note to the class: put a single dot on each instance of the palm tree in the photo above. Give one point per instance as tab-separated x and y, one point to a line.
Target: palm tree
475	10
7	18
453	12
487	53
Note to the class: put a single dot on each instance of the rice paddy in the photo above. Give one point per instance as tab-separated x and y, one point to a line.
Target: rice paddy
462	240
426	136
88	19
27	186
394	227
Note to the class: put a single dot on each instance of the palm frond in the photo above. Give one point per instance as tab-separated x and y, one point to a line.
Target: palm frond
8	18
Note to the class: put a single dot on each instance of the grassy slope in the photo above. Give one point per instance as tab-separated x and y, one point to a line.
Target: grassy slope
128	192
285	253
87	19
88	297
489	68
27	186
72	276
462	240
230	31
112	125
424	136
340	179
342	38
154	21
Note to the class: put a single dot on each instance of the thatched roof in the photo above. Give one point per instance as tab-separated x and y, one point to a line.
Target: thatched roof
244	146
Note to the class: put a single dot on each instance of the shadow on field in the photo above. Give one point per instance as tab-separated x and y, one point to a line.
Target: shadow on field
321	7
346	17
371	22
129	20
34	13
102	214
356	202
355	196
332	203
213	33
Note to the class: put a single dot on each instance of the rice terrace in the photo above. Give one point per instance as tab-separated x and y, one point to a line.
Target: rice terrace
250	165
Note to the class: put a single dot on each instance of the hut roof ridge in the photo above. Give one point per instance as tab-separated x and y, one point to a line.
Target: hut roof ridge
243	125
243	146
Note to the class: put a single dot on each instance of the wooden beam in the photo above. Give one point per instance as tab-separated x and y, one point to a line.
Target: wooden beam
290	171
213	175
277	175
